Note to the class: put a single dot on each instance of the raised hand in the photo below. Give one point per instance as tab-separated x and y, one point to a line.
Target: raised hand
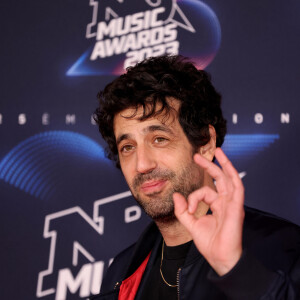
218	236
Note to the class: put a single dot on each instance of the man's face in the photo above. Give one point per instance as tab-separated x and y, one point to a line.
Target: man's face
156	160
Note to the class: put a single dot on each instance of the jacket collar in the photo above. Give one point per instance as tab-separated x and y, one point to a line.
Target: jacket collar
150	241
144	245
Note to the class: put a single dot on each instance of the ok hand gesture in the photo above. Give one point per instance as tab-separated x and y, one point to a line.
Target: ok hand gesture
218	236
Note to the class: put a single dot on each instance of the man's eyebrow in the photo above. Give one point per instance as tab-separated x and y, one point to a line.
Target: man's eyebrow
150	128
122	137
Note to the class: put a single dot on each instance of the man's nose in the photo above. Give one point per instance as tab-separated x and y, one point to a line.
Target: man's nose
145	160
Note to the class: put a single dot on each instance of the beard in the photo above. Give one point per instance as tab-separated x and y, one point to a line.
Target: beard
159	205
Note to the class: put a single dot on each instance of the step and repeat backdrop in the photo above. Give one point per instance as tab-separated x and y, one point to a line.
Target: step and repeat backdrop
65	210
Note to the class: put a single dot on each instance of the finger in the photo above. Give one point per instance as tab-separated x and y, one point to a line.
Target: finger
181	212
205	194
180	203
214	171
239	195
228	168
232	173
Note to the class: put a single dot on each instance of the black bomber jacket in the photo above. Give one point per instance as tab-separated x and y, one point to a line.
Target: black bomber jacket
269	268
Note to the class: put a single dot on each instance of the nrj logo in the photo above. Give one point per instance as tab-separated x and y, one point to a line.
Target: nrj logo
76	241
124	32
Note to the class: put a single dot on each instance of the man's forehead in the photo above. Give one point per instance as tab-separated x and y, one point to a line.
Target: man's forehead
138	111
135	115
128	121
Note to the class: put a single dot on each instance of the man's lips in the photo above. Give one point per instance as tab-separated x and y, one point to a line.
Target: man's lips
153	186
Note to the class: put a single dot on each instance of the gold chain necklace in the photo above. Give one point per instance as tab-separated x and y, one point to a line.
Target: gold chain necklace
162	276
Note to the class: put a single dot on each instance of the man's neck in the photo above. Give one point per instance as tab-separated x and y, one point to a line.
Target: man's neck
174	233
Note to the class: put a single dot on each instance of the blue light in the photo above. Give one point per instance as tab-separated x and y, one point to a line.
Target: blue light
37	165
33	165
243	145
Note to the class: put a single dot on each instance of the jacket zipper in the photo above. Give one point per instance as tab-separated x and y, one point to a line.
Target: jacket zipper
177	279
117	285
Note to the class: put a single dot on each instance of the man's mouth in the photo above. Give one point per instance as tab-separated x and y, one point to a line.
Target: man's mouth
153	186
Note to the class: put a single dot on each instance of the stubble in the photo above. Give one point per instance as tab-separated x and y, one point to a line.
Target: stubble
159	205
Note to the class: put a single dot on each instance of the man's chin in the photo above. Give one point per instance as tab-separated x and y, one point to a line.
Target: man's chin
161	216
166	219
154	207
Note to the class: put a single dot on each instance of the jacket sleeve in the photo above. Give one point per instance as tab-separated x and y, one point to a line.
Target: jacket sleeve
251	280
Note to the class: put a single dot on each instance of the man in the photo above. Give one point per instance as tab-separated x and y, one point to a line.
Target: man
163	124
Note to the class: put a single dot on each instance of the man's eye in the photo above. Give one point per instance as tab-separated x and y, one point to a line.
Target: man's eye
159	140
126	148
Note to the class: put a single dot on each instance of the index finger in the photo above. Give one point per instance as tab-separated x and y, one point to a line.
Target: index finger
228	168
213	170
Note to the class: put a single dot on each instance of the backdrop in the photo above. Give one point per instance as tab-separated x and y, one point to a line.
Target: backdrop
65	209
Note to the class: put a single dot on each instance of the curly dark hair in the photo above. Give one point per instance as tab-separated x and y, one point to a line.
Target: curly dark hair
150	83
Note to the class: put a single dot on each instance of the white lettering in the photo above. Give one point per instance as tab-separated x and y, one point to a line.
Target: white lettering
104	29
67	281
132	59
137	22
70	119
147	19
234	118
114	46
143	39
285	118
258	118
97	277
122	30
110	261
155	12
158	50
45	119
170	33
131	23
157	36
93	122
132	213
22	119
98	51
172	48
130	43
145	53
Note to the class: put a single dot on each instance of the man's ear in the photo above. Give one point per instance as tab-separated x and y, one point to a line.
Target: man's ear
208	150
